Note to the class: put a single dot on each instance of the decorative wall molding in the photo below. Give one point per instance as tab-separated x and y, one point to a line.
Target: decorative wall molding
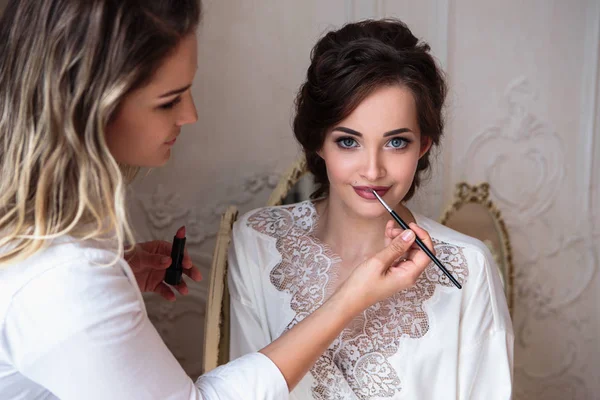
519	144
164	208
523	160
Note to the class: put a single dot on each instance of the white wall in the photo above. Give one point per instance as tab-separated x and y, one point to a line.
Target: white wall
523	115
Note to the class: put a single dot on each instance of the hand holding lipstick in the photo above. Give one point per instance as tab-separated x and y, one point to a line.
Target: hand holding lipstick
150	260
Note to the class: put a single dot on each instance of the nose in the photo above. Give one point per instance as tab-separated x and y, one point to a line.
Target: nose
373	168
188	113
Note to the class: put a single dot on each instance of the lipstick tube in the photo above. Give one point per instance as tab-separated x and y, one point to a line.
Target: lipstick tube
175	270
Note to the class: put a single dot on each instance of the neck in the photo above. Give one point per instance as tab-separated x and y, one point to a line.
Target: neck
351	236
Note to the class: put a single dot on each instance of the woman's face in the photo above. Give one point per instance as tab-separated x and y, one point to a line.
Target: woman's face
150	118
376	147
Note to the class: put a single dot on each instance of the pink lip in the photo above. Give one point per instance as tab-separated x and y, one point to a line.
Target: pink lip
366	193
171	142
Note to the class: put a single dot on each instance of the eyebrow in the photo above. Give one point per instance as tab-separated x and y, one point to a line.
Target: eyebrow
356	133
176	91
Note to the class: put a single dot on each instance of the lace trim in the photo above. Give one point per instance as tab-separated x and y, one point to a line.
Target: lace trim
356	364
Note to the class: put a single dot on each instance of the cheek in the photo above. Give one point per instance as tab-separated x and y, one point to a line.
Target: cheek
123	127
142	131
132	139
403	169
121	137
115	134
341	167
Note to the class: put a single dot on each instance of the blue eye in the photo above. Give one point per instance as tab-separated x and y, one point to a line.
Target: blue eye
346	142
398	143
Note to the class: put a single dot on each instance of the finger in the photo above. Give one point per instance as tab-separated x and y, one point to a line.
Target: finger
165	291
187	260
413	263
392	231
418	258
403	258
423	235
388	236
182	287
161	247
151	260
389	226
155	261
395	232
193	273
408	272
396	248
412	252
417	255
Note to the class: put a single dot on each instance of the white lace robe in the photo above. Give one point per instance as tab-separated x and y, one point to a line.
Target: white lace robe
431	341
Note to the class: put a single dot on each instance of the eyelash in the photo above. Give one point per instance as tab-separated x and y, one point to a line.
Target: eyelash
341	139
171	104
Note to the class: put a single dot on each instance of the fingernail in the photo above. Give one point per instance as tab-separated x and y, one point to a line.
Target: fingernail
165	259
407	235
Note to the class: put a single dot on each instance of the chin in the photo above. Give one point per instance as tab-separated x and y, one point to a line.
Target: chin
366	209
156	163
162	161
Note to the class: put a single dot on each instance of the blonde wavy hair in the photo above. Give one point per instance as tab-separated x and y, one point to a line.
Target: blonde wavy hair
65	66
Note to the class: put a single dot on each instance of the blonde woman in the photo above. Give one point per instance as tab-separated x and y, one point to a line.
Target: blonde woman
89	92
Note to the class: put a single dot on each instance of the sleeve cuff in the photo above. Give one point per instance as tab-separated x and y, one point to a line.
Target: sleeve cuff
253	376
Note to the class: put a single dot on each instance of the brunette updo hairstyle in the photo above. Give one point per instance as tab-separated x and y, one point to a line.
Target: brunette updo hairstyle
349	64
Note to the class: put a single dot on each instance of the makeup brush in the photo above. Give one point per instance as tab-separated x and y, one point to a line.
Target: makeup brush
418	241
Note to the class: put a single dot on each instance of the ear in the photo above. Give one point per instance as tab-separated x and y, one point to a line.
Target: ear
320	153
426	143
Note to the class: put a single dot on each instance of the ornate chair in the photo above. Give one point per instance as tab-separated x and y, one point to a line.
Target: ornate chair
216	323
474	214
288	182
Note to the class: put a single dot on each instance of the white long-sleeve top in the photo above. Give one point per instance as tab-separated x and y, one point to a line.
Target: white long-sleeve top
431	341
74	327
